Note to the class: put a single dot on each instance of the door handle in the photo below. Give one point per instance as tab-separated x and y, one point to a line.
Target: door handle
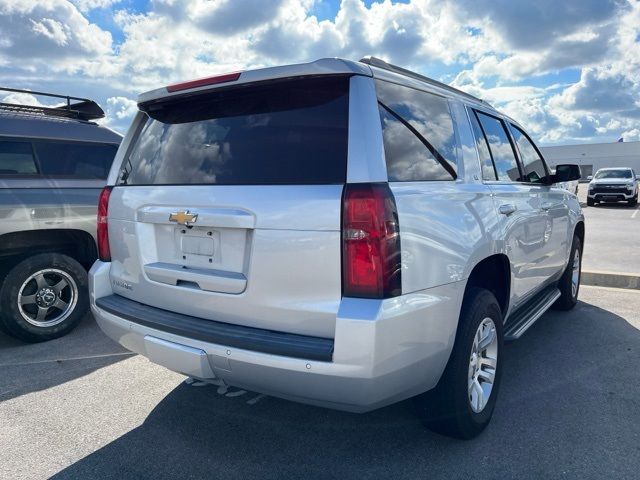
507	209
547	206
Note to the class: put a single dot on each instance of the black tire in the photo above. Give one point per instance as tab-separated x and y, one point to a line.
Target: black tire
634	201
568	299
590	202
52	264
446	409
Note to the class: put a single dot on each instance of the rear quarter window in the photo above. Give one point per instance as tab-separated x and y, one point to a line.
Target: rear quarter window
74	160
16	158
418	134
285	132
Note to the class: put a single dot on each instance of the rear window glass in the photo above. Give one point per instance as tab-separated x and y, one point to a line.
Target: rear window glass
75	160
288	132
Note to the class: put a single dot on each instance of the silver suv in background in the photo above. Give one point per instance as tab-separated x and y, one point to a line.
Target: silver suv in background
613	185
345	234
53	163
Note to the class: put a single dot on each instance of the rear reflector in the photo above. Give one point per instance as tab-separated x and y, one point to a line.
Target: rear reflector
371	266
104	251
201	82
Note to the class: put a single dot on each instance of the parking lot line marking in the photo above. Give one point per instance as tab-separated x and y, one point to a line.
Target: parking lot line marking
633	215
69	359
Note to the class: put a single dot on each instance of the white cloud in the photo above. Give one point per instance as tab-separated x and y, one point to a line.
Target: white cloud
50	35
493	45
22	99
87	5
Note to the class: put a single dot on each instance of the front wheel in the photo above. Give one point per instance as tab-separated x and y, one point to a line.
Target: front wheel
43	297
634	201
462	403
569	283
590	202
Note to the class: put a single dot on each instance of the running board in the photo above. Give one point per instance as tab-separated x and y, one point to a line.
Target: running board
520	320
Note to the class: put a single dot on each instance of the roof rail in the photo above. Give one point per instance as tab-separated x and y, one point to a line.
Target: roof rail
81	109
377	62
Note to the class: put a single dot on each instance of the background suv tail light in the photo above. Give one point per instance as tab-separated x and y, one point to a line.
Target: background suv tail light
104	251
370	242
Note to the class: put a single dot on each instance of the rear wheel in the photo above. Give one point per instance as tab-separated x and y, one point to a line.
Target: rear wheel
43	297
569	283
462	403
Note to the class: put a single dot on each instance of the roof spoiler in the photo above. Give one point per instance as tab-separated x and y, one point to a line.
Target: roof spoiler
75	107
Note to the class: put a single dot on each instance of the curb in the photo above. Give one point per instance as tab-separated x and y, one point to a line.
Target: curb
611	279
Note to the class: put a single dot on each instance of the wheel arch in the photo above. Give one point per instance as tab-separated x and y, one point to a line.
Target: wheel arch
77	244
579	231
493	273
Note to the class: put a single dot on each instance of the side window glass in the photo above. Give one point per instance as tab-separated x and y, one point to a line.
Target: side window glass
500	147
431	153
16	158
408	160
534	169
75	160
488	171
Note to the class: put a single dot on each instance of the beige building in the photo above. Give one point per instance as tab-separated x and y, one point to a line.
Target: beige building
592	156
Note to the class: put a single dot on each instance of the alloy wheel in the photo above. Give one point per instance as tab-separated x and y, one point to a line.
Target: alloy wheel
482	365
47	297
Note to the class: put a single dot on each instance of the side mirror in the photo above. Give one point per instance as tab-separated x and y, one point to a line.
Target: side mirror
589	178
638	177
567	173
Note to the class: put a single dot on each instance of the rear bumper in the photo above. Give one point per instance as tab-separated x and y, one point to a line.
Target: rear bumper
383	350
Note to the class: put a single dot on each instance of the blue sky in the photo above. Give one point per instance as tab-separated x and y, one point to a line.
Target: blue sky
569	71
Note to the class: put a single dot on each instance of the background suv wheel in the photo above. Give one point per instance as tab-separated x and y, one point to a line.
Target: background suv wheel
43	297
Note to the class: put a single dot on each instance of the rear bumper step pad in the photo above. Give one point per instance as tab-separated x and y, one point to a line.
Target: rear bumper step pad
247	338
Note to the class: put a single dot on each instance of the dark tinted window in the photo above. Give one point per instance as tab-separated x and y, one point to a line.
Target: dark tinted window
407	157
488	172
434	145
534	168
16	158
290	132
501	150
75	160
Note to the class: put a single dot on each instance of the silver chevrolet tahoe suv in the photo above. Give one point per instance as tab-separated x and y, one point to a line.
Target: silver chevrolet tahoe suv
54	162
344	234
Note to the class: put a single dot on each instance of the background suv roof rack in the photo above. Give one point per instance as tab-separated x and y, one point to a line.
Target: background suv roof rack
377	62
75	107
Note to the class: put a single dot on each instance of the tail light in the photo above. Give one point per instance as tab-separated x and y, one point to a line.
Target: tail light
104	251
370	242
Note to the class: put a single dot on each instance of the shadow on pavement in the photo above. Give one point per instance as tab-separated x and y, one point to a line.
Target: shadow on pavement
26	368
568	406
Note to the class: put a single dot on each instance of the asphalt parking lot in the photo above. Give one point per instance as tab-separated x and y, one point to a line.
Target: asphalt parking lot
81	407
612	236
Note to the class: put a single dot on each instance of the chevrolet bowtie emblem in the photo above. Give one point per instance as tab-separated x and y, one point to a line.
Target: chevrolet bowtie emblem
183	218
